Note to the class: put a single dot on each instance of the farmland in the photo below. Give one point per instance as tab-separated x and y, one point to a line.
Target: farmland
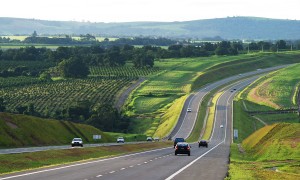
52	97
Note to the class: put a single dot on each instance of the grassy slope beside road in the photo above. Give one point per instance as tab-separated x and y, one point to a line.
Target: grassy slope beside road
22	130
273	152
277	90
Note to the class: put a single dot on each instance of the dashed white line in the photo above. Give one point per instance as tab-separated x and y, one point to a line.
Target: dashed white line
112	172
99	175
145	162
122	169
131	166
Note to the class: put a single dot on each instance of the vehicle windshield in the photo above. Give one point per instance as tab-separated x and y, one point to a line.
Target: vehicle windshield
77	139
179	140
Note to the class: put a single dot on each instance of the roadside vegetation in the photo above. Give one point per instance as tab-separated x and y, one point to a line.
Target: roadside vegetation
268	143
273	152
22	130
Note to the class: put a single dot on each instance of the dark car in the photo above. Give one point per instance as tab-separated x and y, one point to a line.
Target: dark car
203	143
182	148
178	140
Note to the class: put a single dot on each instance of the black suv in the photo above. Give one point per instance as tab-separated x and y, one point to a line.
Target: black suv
178	140
203	143
183	148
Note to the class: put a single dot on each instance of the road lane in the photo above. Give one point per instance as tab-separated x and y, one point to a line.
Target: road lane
214	165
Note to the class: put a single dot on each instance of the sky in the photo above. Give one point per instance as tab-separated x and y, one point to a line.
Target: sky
147	10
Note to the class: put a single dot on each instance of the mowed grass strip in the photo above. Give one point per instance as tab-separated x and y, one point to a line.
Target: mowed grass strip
18	162
169	119
211	116
278	90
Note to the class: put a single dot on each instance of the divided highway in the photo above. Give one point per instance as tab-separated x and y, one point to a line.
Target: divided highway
208	163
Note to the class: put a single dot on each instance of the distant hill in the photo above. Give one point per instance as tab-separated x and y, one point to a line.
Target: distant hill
18	130
227	28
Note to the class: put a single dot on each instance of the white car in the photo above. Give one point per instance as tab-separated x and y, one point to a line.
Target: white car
189	109
221	126
77	142
120	140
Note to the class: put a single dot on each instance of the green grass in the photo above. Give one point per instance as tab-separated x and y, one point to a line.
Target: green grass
245	63
22	130
243	122
18	162
278	88
169	119
270	148
157	94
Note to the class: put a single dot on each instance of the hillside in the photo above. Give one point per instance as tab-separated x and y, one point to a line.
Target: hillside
273	152
22	130
227	28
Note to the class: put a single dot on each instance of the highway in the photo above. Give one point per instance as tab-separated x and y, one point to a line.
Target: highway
208	163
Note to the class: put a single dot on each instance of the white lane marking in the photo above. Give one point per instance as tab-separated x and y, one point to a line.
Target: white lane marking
80	164
138	164
111	172
145	162
150	160
131	166
99	175
122	169
188	165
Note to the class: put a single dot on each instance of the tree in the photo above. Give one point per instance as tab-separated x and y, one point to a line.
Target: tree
34	34
73	68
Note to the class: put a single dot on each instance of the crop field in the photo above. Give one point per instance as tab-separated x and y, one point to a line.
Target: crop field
125	71
48	97
278	90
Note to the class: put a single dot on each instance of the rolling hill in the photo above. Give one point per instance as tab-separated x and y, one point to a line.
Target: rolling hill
227	28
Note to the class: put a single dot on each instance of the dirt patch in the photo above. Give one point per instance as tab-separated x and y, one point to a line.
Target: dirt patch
241	149
9	122
258	96
11	125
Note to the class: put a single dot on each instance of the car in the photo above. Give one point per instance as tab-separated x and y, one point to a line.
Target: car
221	126
177	140
120	140
183	148
149	138
189	109
234	89
77	142
156	138
203	143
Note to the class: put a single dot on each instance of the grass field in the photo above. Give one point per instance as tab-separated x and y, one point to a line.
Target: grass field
273	152
278	90
22	130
